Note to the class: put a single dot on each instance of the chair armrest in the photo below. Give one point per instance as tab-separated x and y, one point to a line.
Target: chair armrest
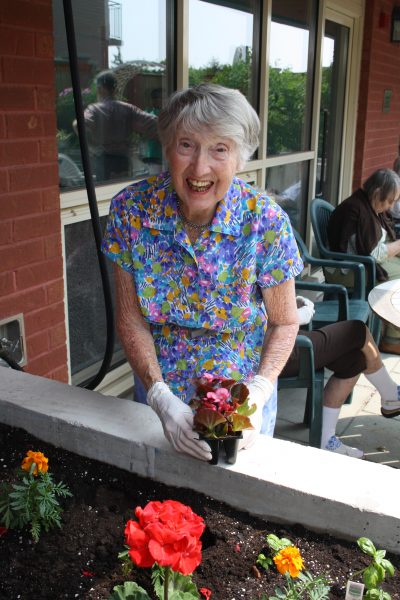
306	366
332	289
355	265
368	261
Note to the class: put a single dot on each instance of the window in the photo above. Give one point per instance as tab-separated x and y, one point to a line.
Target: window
223	45
291	69
288	185
125	43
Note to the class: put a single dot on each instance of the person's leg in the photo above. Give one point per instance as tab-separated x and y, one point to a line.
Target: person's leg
337	347
377	374
335	394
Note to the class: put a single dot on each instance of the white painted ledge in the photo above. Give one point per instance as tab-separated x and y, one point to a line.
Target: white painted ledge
276	480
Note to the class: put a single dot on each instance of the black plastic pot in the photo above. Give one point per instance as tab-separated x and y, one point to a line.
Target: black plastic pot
230	445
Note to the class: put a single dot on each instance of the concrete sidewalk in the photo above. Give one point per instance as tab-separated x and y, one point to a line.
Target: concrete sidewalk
360	424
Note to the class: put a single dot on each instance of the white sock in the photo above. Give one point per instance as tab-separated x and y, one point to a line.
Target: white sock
388	389
329	420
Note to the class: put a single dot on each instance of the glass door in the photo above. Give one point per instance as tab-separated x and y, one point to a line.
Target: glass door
332	109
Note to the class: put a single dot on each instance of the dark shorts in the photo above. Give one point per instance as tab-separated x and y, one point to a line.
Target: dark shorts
336	347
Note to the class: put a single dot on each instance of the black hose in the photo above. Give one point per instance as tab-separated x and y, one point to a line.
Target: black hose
91	194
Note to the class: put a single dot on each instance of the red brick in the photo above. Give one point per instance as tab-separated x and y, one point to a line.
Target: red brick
38	344
36	226
44	318
26	14
14	42
51	199
7	284
33	177
3	131
49	124
14	97
52	246
45	98
17	255
48	150
39	273
22	125
55	292
26	302
18	153
47	363
58	336
6	233
28	70
60	374
4	181
23	203
44	45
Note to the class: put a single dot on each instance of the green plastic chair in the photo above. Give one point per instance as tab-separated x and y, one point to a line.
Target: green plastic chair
313	381
320	212
339	307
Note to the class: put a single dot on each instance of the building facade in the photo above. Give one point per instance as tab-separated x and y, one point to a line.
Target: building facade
323	75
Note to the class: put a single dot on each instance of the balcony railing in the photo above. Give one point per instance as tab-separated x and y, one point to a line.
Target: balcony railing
115	20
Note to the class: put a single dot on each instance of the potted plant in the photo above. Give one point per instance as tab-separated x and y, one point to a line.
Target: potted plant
221	413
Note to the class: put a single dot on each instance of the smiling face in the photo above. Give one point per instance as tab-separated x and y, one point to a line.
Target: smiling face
202	166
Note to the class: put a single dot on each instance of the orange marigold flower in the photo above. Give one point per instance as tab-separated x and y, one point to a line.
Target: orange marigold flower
289	559
38	458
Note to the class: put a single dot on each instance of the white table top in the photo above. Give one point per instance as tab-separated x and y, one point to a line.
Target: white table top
384	300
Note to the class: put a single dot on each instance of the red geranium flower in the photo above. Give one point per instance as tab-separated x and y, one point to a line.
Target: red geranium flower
206	593
167	533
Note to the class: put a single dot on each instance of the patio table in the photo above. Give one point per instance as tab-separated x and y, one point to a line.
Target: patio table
384	300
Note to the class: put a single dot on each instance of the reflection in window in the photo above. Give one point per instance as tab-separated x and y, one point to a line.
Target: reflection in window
287	185
121	111
290	76
221	44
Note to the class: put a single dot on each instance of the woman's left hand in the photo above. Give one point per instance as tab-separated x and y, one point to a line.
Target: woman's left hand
260	391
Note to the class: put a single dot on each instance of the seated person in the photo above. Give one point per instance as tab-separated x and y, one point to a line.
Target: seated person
395	210
360	225
348	349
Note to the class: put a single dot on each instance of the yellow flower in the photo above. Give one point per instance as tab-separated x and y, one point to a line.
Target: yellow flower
289	559
35	457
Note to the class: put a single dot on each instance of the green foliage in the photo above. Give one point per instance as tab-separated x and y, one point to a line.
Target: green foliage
374	574
180	587
32	502
306	586
129	591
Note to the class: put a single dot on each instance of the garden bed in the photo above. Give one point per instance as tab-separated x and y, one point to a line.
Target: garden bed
81	559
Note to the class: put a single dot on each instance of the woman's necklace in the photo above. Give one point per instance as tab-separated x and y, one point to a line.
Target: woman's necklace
186	221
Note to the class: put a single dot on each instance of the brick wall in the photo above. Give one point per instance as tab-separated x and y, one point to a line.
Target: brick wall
378	132
31	270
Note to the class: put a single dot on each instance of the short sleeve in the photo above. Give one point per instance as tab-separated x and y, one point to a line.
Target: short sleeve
116	240
278	257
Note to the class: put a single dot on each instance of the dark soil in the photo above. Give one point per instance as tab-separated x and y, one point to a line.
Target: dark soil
81	559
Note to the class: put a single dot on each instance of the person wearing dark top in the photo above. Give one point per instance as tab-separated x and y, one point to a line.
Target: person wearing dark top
361	225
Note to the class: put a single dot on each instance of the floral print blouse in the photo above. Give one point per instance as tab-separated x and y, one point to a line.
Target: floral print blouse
203	302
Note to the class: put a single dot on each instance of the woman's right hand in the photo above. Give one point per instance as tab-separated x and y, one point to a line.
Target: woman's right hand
305	310
177	421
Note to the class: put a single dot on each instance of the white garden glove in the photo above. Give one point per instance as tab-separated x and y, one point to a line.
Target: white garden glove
305	310
260	391
177	421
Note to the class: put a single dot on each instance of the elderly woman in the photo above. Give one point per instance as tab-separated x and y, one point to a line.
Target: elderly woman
360	225
201	258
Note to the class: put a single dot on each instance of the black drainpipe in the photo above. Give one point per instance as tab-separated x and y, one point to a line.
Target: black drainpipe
91	194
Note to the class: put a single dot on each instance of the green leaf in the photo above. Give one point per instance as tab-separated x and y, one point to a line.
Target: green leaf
371	577
379	554
387	565
366	546
129	591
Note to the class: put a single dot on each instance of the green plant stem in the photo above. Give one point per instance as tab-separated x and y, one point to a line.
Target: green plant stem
166	581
